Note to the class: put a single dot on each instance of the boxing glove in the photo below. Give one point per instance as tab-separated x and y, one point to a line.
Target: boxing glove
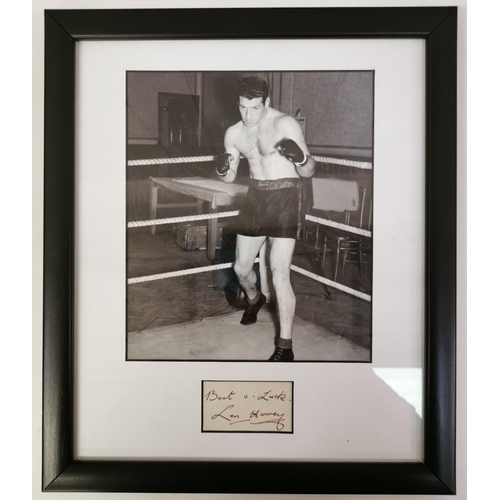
222	164
291	151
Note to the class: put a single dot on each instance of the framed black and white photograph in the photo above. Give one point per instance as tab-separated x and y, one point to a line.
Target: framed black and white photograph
250	251
191	253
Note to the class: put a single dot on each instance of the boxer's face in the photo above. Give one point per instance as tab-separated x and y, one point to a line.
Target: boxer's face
252	111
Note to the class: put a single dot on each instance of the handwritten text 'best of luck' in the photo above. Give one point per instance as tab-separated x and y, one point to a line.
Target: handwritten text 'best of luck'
263	413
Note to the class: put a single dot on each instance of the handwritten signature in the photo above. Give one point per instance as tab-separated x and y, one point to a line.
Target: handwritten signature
234	418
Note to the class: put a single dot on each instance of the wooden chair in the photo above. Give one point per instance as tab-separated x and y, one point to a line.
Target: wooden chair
340	196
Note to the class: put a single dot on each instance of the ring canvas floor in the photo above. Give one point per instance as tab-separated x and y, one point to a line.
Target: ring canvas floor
224	338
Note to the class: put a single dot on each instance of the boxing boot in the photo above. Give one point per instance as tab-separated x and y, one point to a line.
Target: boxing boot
250	315
281	354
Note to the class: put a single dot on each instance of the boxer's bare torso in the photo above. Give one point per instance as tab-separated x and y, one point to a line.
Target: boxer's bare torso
258	143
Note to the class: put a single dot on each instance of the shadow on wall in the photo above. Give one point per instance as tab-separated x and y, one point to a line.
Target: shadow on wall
220	104
219	110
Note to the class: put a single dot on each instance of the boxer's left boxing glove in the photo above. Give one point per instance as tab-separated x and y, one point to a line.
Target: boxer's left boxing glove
222	164
291	151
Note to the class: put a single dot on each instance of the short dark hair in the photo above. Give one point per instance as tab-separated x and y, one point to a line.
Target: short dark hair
252	87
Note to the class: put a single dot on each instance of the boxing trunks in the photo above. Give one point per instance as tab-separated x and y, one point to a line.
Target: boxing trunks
272	208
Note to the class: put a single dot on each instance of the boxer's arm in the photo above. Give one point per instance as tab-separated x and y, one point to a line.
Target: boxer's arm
290	129
234	161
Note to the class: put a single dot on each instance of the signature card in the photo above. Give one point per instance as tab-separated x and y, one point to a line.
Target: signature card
247	406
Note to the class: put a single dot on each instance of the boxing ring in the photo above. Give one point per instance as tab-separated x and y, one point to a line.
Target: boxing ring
218	193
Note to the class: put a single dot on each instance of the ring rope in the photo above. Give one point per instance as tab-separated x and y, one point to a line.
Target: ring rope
227	265
234	213
340	161
166	161
199	159
185	218
182	272
338	225
331	283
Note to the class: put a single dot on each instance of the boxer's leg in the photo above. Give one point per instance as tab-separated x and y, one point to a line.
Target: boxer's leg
247	249
280	262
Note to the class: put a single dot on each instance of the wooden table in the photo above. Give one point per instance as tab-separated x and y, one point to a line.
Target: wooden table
216	192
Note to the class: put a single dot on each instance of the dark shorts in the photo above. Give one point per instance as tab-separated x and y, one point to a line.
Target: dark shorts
271	208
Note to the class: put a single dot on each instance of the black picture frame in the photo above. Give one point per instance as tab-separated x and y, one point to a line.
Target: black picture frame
436	474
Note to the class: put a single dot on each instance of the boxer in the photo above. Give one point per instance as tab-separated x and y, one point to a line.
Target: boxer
278	158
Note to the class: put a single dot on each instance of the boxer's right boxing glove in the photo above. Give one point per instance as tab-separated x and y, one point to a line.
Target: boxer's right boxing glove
222	164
